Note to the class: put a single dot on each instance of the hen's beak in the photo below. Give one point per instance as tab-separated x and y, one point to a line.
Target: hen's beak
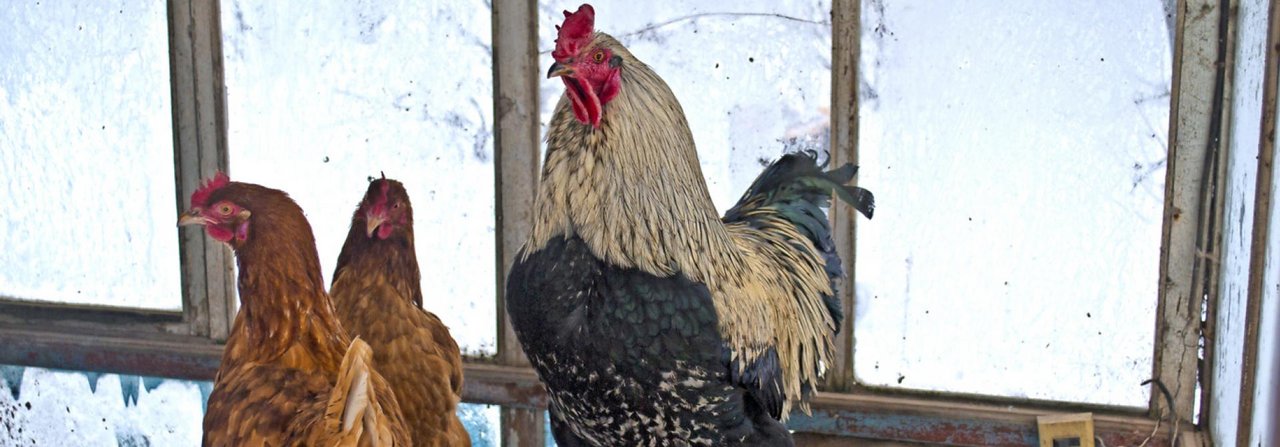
191	217
558	69
373	221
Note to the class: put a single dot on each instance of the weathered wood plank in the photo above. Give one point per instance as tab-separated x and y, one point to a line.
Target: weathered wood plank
200	150
1261	228
846	42
1194	136
516	149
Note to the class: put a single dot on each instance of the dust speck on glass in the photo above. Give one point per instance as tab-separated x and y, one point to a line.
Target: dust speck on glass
322	96
1018	160
86	151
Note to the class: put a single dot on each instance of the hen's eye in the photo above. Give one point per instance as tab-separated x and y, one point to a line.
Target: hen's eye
397	205
599	57
225	209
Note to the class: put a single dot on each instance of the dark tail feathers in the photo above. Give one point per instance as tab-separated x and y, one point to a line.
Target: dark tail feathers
797	189
799	173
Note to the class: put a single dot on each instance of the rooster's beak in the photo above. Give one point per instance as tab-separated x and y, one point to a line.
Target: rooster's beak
558	69
191	217
373	221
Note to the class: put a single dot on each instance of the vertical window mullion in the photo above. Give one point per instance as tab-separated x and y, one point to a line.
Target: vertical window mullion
846	29
516	150
200	150
1187	216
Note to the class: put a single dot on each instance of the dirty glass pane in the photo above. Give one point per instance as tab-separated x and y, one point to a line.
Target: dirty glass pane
1017	151
322	96
1237	221
53	407
86	155
50	407
753	77
482	423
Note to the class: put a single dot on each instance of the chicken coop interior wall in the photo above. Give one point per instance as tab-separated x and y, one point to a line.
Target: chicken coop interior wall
344	91
1242	169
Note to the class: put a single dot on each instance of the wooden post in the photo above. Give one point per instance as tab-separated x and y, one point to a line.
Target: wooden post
516	149
846	41
200	150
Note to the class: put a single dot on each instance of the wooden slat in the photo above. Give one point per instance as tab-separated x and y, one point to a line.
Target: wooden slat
515	102
78	317
200	150
1193	145
949	422
846	41
1207	270
515	62
107	349
1261	229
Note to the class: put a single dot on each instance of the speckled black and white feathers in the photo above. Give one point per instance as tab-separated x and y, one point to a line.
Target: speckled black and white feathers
652	320
630	358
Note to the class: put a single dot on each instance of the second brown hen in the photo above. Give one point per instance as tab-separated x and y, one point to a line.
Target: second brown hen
377	292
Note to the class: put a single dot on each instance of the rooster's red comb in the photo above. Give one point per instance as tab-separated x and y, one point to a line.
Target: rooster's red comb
575	32
205	190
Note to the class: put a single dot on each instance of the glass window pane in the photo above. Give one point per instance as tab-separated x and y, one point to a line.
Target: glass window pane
1017	152
322	96
49	407
482	423
86	153
52	407
751	76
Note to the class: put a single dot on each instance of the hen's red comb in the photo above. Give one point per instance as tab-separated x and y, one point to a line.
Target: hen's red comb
202	193
575	32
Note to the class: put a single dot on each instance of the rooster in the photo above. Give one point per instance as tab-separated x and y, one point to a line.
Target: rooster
650	319
290	374
377	293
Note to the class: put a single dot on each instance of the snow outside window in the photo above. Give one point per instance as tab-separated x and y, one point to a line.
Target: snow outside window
52	407
322	97
1017	151
86	155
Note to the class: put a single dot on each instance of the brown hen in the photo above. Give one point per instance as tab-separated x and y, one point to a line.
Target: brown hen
377	292
290	375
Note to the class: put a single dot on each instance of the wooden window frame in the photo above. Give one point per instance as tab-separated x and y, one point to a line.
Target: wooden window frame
187	345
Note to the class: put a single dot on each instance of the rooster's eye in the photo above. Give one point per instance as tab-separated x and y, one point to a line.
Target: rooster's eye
225	209
599	57
396	206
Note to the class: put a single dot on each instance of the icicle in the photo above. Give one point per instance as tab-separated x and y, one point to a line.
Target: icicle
93	378
129	390
12	376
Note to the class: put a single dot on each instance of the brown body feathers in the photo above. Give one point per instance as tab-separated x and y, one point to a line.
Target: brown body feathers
377	293
290	375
